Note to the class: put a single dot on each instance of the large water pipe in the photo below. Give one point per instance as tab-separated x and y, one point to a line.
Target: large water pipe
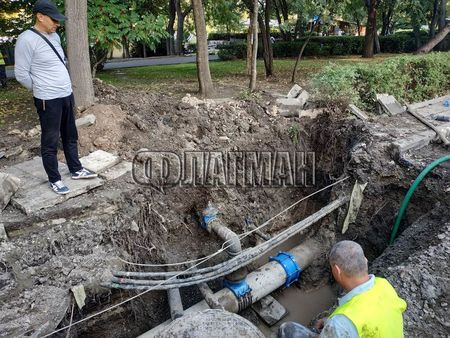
282	270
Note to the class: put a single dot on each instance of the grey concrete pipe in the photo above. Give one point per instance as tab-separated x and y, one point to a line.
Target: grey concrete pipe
262	282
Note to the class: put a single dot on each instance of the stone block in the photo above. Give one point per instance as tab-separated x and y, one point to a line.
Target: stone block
270	310
99	161
295	91
85	121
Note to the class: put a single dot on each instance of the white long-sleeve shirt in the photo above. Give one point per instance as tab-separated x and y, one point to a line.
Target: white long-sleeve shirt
39	69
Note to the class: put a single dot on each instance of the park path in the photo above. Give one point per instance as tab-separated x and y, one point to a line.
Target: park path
141	62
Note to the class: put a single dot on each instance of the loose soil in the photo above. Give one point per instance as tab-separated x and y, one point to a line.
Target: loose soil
81	241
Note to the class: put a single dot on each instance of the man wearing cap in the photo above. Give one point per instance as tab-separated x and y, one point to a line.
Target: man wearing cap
40	67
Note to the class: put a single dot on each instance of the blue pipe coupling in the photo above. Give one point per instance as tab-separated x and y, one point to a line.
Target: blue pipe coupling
209	215
240	289
290	266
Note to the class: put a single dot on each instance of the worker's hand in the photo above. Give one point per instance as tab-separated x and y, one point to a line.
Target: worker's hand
320	324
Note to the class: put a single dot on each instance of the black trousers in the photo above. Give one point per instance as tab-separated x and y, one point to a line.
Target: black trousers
57	118
3	75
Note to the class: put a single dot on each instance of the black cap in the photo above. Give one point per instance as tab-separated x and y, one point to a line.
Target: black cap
48	8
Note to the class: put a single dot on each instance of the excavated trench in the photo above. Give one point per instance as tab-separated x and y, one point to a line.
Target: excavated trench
123	221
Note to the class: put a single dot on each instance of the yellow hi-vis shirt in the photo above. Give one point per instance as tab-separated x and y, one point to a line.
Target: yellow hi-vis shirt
2	61
376	313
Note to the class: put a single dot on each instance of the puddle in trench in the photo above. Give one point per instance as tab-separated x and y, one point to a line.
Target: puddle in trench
301	306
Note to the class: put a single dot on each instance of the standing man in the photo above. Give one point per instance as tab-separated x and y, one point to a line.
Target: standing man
370	309
40	66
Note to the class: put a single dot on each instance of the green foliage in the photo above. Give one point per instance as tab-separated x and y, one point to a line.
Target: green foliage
114	20
326	46
408	78
294	133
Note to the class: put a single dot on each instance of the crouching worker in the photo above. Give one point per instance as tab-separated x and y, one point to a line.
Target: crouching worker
40	66
371	307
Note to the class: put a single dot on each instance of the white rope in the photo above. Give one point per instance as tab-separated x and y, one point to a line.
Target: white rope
203	260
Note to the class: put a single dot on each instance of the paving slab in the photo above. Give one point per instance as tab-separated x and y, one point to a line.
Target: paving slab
358	112
419	140
99	161
34	193
390	105
117	171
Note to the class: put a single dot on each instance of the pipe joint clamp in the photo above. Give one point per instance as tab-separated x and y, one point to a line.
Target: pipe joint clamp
290	266
240	289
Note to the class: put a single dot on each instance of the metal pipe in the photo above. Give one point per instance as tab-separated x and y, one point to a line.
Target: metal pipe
262	282
247	256
175	304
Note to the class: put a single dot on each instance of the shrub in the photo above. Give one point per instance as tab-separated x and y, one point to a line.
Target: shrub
330	46
408	78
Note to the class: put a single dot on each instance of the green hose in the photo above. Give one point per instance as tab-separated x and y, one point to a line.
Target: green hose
411	192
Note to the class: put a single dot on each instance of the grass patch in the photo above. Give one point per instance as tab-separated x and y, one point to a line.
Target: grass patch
16	107
162	76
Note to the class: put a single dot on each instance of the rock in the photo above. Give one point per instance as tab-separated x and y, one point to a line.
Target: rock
85	121
311	113
3	235
79	295
295	91
9	184
270	310
13	151
34	132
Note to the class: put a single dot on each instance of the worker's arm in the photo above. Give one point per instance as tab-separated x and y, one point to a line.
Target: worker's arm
23	54
339	326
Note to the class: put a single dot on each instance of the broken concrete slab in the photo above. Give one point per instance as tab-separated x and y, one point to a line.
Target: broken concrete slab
295	91
418	140
34	193
270	310
303	98
389	105
289	102
9	184
117	171
358	112
3	233
99	161
85	121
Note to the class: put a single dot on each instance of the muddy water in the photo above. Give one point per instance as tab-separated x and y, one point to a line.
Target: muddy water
302	306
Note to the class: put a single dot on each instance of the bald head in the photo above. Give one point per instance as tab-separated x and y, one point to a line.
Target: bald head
349	257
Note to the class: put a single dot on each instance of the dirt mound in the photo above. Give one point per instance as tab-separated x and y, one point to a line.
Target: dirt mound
108	131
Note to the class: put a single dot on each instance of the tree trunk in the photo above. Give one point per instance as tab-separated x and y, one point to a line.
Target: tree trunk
170	43
126	48
434	19
144	51
371	29
254	46
265	35
294	72
416	31
442	18
377	43
204	75
269	49
440	36
358	23
250	45
181	17
78	52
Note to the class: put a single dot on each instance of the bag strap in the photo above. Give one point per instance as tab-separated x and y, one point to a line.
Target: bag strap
50	44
